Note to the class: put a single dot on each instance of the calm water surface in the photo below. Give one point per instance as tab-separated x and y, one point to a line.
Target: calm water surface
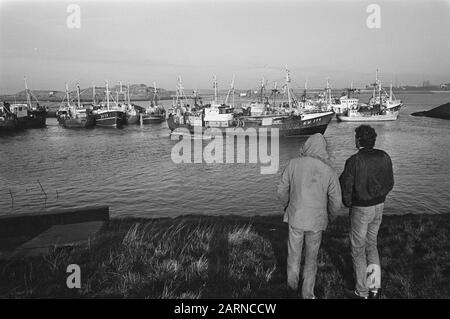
131	170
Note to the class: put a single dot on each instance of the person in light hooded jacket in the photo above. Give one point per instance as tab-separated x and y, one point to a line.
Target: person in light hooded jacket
309	190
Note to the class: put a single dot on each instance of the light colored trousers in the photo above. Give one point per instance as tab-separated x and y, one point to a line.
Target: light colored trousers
295	244
365	223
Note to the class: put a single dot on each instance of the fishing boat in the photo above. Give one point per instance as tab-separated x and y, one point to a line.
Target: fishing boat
346	101
311	104
290	118
108	115
131	114
36	115
75	116
8	120
219	114
381	107
256	108
183	115
155	113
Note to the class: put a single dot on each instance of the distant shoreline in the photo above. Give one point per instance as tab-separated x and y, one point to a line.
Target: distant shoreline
10	98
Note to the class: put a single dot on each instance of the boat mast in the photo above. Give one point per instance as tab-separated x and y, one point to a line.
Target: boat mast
107	95
230	91
93	94
27	92
155	94
288	88
350	93
304	91
375	86
328	91
262	90
78	95
121	92
118	93
274	93
233	90
179	96
67	95
215	90
128	92
390	93
379	90
195	97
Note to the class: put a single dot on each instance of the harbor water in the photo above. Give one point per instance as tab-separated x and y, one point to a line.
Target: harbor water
131	169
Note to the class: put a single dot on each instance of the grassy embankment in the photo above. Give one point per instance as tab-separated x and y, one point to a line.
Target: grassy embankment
231	257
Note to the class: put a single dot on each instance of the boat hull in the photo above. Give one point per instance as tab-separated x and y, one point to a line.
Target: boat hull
132	119
368	118
149	119
34	119
112	119
87	122
290	126
8	124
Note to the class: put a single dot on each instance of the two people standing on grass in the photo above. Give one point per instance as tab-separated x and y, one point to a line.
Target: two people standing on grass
312	193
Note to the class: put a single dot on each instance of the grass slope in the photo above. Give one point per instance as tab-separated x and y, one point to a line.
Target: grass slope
231	257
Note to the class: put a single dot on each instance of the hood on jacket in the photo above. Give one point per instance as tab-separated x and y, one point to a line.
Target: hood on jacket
316	146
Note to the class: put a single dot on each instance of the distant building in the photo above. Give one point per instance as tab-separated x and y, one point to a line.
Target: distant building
426	83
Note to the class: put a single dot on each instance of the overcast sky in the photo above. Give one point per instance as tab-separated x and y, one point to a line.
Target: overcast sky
142	42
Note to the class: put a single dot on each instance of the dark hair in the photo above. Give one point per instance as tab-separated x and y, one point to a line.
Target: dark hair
366	136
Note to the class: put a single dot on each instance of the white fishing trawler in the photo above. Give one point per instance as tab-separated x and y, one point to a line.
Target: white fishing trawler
219	114
381	107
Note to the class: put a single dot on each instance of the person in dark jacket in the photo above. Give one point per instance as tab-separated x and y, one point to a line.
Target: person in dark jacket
367	179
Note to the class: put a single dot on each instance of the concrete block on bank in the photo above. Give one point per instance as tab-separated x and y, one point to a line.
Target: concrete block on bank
79	234
32	223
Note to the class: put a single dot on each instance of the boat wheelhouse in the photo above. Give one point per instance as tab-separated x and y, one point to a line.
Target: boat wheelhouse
36	115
